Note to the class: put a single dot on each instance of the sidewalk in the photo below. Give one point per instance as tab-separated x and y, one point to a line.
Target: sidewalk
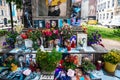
111	44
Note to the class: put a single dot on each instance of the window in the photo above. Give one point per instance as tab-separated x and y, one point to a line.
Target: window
98	7
104	5
101	7
2	13
118	2
108	4
97	16
111	15
1	2
4	3
103	16
107	15
112	3
100	16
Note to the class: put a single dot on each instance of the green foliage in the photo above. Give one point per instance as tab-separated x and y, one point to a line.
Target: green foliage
69	62
88	66
112	57
107	33
3	32
69	65
11	38
117	32
17	2
48	60
34	35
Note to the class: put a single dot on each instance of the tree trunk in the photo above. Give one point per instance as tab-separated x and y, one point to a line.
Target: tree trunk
11	17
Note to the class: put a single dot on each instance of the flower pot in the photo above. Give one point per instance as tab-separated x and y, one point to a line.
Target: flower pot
109	67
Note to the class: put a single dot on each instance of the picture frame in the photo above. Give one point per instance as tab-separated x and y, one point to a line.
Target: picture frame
39	23
81	40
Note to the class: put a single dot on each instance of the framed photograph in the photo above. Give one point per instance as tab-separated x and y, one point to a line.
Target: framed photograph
36	23
47	23
39	23
54	23
81	40
60	23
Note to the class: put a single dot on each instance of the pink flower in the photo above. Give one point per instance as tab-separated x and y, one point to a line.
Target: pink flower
50	33
55	31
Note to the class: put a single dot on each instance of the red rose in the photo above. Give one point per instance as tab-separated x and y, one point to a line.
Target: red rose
24	36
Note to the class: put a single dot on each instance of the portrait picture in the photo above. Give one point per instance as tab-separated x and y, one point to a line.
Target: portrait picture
54	23
39	23
82	40
52	7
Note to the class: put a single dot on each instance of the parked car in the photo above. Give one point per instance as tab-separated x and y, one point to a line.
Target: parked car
92	22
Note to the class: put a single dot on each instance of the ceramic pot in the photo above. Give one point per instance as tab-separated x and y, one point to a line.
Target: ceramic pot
109	67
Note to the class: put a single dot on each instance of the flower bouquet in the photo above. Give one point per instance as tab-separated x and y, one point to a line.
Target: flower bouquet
35	37
65	34
95	38
11	39
70	62
49	36
112	57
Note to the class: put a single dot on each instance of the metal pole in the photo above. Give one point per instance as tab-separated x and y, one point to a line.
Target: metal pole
11	15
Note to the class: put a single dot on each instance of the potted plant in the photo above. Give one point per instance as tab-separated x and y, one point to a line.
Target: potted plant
49	36
35	37
112	58
95	38
87	66
48	61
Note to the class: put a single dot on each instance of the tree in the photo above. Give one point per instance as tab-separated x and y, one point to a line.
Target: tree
18	4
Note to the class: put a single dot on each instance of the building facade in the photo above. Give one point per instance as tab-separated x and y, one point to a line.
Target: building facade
85	9
88	11
107	10
4	11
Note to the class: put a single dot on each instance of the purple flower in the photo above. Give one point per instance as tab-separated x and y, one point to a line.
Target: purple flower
4	43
